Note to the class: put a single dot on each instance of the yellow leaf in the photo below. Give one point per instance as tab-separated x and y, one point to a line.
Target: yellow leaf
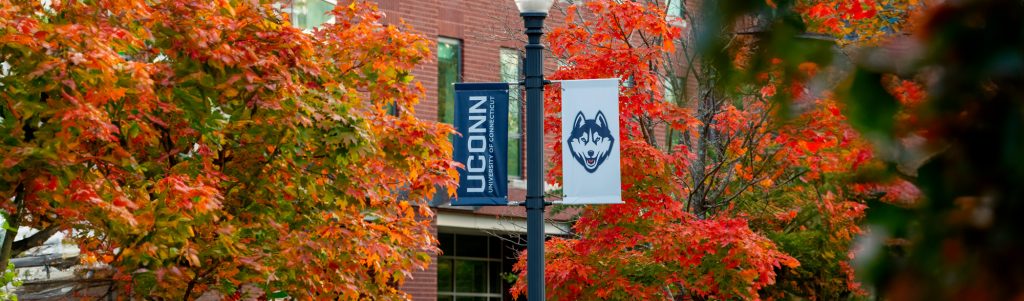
748	275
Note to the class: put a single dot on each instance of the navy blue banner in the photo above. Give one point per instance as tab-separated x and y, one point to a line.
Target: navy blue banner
481	118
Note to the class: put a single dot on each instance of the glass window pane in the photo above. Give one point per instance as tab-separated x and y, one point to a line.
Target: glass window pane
471	246
318	12
445	298
392	108
494	251
514	157
495	273
298	13
470	276
471	299
510	74
307	14
444	275
675	89
449	69
675	8
447	242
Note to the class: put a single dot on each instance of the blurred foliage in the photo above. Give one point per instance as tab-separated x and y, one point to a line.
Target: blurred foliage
963	242
940	95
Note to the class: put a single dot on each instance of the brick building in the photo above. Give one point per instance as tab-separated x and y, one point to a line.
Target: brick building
476	41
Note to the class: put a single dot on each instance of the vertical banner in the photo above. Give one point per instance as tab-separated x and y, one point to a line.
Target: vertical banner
591	173
481	118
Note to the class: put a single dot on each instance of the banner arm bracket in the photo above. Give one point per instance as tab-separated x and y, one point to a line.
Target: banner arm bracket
523	82
523	203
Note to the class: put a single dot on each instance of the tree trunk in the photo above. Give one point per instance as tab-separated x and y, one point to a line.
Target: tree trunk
13	222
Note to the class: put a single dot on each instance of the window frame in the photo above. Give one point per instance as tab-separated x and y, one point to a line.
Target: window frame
489	261
442	106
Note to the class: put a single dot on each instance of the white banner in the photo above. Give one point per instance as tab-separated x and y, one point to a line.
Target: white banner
591	172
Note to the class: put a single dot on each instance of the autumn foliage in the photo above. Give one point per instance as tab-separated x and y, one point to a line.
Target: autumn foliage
733	190
858	21
208	147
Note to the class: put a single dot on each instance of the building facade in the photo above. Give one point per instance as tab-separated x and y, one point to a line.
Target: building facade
475	41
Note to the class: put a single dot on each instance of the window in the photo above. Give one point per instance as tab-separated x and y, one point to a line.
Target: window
307	14
392	108
510	63
675	8
676	14
675	92
675	89
470	268
449	72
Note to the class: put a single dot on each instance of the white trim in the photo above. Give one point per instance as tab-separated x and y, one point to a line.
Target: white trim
517	183
476	223
450	41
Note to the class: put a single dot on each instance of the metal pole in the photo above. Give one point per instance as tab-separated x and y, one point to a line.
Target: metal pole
534	82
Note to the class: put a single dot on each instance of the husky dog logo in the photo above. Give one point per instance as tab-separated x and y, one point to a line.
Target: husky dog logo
590	141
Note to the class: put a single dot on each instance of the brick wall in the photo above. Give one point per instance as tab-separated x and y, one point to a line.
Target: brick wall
422	286
483	27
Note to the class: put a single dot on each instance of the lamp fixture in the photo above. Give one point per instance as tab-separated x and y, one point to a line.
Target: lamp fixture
534	6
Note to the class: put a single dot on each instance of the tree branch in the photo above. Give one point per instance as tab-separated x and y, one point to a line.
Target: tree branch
35	240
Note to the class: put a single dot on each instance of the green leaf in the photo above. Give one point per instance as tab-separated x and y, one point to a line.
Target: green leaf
7	226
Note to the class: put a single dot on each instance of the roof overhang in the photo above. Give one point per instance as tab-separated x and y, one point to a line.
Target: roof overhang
448	221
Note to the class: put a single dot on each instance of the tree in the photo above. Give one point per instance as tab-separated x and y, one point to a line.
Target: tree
752	184
961	69
209	147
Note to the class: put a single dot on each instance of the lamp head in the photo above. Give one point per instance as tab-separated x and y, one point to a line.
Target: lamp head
534	6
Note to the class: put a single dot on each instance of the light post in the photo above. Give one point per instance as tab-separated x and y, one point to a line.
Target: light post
533	13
